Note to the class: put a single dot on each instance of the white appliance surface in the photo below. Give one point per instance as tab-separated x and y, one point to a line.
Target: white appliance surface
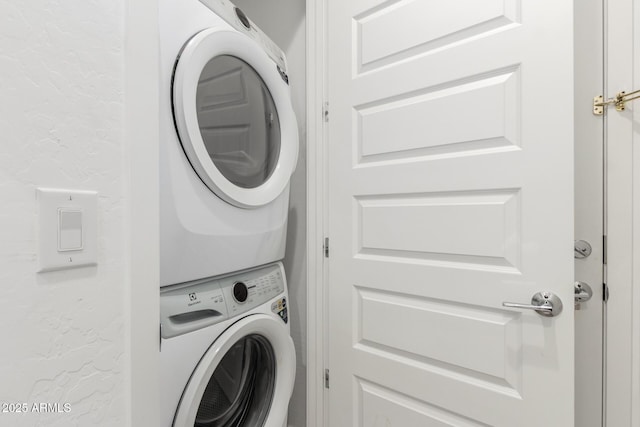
202	322
209	223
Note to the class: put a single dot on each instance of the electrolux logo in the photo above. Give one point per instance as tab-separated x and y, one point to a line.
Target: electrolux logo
193	298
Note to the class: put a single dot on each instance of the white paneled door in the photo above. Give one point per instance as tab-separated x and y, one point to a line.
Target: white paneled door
450	191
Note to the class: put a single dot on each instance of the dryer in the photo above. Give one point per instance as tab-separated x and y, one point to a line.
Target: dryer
228	142
227	357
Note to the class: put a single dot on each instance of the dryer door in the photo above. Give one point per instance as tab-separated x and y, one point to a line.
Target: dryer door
233	113
245	378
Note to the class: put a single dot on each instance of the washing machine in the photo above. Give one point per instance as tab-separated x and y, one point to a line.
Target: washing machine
227	357
228	142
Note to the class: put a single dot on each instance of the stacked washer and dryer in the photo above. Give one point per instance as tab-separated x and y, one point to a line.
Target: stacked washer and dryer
228	148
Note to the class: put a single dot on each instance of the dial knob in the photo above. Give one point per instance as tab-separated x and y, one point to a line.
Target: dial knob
243	18
240	292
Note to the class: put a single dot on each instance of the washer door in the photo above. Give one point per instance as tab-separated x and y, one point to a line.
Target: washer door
234	117
245	378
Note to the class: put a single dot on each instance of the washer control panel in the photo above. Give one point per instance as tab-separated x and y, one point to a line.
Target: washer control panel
252	288
194	305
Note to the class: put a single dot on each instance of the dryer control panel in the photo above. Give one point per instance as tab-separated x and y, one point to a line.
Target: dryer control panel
238	20
190	306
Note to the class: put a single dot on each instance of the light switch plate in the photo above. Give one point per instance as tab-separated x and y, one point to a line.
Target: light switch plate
67	235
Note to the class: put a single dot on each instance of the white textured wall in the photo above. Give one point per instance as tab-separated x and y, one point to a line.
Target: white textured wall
61	126
284	22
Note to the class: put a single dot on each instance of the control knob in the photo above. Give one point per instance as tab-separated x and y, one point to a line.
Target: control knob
240	292
243	18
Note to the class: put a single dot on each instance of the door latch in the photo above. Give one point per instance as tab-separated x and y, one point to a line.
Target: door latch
619	101
582	292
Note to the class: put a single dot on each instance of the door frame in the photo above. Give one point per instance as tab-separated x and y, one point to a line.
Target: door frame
589	208
622	355
141	133
316	212
622	345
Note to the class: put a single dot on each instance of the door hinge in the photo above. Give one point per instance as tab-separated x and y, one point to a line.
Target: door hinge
326	378
605	287
325	111
160	338
325	247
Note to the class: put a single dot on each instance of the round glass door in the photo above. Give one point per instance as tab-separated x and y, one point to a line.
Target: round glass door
234	117
244	379
240	390
238	121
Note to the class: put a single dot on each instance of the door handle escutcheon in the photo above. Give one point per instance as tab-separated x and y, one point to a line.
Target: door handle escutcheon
544	303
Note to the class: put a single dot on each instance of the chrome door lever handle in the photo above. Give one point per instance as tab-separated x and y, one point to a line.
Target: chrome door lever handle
544	308
544	303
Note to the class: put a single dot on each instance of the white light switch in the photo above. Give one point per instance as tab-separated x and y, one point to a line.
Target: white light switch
69	229
67	232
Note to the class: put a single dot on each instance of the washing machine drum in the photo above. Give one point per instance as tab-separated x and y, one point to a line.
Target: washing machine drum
244	380
234	117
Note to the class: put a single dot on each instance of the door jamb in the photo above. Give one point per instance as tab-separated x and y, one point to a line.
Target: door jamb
140	147
316	213
623	220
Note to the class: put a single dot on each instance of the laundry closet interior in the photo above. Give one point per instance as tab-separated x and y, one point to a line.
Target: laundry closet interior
306	213
492	101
